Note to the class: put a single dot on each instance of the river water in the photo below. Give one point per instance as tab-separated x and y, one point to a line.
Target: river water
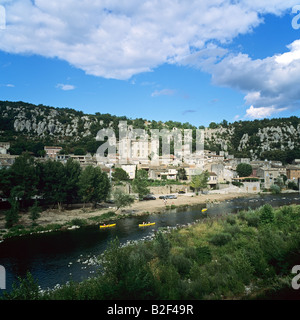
56	258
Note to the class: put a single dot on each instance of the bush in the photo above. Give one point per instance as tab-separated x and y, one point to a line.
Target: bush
26	289
275	189
203	255
181	263
162	246
266	214
252	220
78	222
233	230
220	239
292	185
231	220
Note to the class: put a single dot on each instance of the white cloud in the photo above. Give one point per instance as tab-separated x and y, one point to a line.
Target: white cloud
262	112
65	87
270	85
9	85
118	39
163	92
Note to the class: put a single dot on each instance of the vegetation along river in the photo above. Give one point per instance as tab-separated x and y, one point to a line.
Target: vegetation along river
58	257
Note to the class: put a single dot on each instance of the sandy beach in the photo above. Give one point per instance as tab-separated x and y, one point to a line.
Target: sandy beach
53	216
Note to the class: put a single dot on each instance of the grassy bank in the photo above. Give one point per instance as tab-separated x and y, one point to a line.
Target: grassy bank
21	230
248	255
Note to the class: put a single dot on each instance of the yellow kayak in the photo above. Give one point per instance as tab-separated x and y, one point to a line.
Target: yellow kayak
146	224
203	210
107	225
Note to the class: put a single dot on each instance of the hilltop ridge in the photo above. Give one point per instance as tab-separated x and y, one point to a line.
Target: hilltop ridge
30	127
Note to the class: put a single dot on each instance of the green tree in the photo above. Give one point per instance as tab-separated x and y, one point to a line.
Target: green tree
199	182
79	152
162	246
181	174
52	182
213	125
244	169
94	185
5	182
266	214
72	172
12	215
120	175
24	177
35	211
140	183
122	199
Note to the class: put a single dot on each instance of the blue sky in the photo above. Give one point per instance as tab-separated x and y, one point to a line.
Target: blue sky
195	61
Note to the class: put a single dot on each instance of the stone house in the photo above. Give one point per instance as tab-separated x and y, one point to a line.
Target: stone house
4	146
52	152
270	176
293	172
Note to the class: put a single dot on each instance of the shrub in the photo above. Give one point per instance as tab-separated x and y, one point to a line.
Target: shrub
203	255
162	246
231	220
266	214
292	185
252	220
78	222
275	189
26	289
220	239
181	263
233	230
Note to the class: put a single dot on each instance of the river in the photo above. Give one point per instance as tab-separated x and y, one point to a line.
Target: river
58	257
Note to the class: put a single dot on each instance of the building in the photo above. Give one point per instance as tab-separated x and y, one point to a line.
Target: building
7	160
51	152
248	186
223	172
162	173
270	176
212	180
130	169
293	172
4	146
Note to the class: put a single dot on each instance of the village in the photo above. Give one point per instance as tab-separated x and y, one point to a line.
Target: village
222	168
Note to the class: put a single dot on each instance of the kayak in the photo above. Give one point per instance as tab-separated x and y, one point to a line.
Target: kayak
146	224
108	225
203	210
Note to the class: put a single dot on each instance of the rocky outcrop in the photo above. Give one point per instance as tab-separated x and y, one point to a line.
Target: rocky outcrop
254	137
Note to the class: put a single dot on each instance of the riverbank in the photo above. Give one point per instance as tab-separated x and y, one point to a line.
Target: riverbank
53	219
247	256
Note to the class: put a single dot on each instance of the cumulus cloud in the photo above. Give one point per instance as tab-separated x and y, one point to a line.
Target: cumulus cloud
262	112
270	85
118	39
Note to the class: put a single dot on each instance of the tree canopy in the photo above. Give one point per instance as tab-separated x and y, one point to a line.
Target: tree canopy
244	170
